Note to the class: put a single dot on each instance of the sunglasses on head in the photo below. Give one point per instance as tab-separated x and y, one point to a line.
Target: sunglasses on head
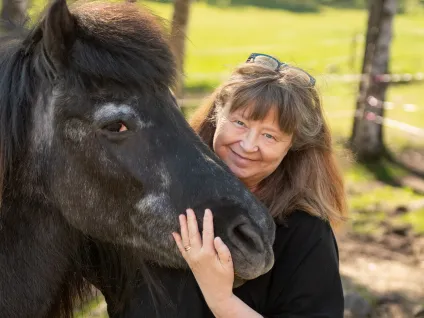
271	62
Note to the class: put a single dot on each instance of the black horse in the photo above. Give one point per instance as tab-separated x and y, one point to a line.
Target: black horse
97	159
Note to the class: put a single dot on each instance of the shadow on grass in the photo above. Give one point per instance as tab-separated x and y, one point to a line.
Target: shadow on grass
383	171
359	296
391	170
393	159
350	286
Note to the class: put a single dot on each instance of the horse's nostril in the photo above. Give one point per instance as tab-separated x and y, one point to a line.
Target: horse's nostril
244	236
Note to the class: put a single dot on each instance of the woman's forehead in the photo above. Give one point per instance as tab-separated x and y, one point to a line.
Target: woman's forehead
252	112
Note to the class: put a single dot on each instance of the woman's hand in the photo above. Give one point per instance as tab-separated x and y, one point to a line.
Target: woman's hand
208	257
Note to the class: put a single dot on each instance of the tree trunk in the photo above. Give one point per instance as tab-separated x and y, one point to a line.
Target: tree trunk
13	13
178	36
367	134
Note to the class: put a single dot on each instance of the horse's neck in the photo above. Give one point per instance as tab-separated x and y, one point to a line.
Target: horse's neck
112	270
36	252
124	280
122	276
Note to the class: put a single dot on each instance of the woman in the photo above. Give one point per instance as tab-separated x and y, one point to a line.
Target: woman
266	123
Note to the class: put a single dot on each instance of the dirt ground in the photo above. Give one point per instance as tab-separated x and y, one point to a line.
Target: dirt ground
388	270
414	158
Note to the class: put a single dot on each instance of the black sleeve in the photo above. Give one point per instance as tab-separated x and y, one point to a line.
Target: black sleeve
306	280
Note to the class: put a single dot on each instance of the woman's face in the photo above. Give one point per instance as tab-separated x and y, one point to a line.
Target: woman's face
251	149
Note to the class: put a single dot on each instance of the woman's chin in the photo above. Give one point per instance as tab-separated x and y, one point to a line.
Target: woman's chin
240	173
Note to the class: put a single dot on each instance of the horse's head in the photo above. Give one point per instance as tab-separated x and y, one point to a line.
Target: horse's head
110	147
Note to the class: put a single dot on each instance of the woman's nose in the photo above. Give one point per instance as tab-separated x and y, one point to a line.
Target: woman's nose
249	143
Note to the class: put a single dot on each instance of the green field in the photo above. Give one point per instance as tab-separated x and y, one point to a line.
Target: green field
221	38
321	42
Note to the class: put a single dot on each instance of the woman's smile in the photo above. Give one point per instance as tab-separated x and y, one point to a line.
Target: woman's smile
240	160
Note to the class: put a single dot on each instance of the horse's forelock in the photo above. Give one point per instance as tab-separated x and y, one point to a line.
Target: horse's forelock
119	43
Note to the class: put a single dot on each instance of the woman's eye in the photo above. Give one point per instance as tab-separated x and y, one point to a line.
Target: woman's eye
116	127
239	123
269	136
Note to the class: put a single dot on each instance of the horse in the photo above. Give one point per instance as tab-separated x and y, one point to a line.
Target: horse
97	158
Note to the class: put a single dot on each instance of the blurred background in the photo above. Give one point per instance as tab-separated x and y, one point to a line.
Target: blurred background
367	57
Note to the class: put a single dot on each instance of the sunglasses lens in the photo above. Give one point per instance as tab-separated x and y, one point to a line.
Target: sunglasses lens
273	64
267	62
305	77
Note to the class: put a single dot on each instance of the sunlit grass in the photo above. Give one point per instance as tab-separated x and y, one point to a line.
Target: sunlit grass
382	198
89	307
416	219
221	38
322	42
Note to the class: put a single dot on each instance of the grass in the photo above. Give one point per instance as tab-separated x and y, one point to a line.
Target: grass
416	219
321	42
382	197
219	39
90	307
371	197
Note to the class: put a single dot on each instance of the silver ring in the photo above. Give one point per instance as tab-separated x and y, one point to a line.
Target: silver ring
187	248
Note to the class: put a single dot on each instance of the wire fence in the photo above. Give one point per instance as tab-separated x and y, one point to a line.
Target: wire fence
380	78
373	103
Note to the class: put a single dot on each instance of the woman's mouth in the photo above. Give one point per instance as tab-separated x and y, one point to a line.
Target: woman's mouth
240	160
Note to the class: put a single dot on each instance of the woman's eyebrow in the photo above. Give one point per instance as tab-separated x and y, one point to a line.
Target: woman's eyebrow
273	129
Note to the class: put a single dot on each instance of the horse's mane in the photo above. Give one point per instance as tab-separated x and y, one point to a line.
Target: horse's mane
112	44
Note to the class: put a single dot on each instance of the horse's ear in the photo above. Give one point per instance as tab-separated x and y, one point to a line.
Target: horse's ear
58	29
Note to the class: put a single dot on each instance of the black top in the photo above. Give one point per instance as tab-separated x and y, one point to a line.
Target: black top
304	282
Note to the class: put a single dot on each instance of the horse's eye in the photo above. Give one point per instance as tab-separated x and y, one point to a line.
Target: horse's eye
116	127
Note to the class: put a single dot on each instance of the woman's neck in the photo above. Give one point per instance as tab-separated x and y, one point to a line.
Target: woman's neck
253	187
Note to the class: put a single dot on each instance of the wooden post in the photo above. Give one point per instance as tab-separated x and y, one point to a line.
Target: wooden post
178	36
367	134
13	14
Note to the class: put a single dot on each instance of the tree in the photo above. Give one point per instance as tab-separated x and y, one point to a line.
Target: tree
178	36
367	134
13	13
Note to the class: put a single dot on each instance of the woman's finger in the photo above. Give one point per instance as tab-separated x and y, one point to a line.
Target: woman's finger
179	242
208	232
224	253
193	230
184	231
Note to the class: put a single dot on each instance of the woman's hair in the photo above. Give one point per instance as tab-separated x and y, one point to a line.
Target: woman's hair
308	178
